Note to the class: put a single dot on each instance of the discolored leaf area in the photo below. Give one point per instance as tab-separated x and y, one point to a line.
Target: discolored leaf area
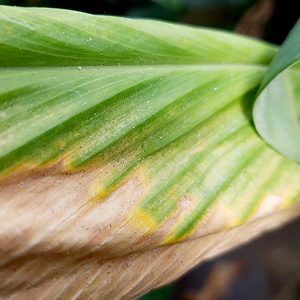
128	153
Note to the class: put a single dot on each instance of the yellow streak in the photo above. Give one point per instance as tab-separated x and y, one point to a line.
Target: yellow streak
142	220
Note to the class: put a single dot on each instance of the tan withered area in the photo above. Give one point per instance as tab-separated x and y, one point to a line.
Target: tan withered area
59	241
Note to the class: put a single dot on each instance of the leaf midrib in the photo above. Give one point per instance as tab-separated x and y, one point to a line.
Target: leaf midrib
209	66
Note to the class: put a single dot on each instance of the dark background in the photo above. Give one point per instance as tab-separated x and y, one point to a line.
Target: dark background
269	267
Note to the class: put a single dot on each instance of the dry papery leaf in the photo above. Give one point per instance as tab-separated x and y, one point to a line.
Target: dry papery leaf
55	245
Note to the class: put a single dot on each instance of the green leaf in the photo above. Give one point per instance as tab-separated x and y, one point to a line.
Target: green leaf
120	136
277	109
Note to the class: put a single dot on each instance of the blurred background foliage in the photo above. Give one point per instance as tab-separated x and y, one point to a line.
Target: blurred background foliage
269	267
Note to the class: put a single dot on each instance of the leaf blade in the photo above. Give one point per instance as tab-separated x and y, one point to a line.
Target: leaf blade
163	150
276	111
